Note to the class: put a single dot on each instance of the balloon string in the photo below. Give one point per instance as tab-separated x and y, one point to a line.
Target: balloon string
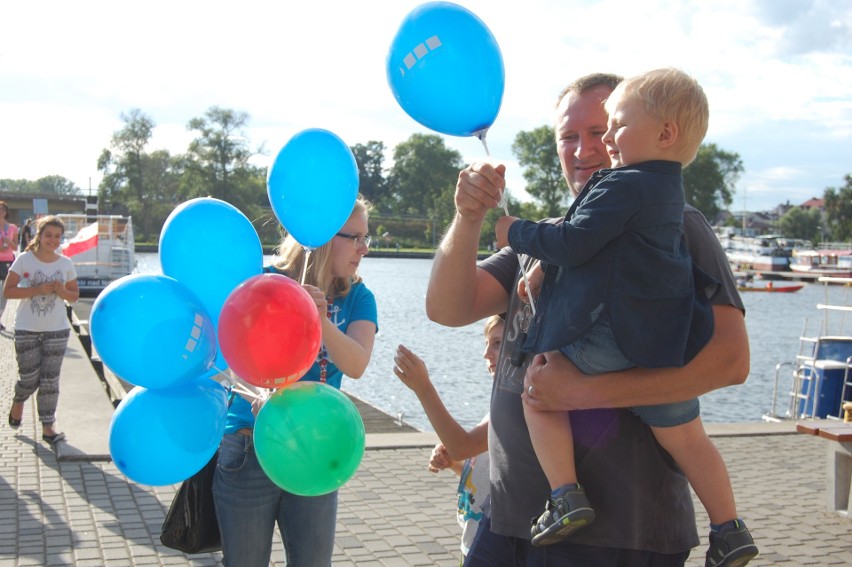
239	387
305	265
503	203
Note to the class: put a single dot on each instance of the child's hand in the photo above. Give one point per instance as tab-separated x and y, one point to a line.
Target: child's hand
535	276
44	288
319	300
440	459
501	230
410	369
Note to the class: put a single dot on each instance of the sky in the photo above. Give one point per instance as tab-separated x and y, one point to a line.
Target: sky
777	73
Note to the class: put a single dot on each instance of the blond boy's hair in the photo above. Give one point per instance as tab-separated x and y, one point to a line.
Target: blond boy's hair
671	95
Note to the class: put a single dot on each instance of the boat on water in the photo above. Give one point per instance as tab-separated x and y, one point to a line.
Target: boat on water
771	288
765	253
820	381
823	262
102	250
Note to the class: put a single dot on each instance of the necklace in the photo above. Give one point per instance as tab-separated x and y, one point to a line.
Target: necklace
323	353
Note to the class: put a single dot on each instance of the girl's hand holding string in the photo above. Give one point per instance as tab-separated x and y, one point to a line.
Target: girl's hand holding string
319	300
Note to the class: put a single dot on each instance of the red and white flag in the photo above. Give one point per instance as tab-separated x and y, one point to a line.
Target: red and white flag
85	239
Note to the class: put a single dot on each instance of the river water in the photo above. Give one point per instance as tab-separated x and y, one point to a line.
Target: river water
454	355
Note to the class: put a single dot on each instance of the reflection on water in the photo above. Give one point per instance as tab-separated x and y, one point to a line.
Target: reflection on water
454	355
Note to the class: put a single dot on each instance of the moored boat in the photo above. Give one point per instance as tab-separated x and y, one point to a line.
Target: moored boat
823	262
102	251
821	378
766	253
770	287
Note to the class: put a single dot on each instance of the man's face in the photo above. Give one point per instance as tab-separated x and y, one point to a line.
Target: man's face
581	121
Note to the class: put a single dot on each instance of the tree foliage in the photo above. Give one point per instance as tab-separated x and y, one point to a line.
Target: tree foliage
217	160
371	175
798	223
51	184
838	210
709	180
536	152
423	178
126	168
413	199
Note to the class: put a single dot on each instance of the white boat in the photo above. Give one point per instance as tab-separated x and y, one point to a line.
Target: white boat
821	377
823	262
102	251
767	253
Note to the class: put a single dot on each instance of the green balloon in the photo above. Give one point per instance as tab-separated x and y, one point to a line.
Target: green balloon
309	438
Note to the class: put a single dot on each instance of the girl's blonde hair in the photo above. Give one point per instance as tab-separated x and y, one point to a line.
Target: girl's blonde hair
492	322
291	260
43	223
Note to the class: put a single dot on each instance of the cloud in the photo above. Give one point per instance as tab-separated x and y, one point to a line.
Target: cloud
808	26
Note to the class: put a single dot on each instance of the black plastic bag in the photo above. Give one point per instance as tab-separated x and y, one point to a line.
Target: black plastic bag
190	525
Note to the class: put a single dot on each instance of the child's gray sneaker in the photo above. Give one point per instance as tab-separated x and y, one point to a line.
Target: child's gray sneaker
731	546
566	512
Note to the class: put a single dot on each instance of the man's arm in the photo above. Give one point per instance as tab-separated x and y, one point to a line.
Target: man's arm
459	293
724	361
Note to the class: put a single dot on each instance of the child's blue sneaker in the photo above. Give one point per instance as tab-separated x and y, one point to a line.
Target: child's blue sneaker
566	512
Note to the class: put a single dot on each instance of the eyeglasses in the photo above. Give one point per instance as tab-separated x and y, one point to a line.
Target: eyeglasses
357	240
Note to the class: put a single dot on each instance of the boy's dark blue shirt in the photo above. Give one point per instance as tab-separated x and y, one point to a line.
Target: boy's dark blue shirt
621	249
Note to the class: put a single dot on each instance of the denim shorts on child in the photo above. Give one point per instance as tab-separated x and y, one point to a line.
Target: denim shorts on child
596	353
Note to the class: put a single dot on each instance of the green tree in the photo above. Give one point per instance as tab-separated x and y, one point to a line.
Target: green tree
56	184
52	184
798	223
536	152
217	160
372	182
423	178
709	180
125	166
838	211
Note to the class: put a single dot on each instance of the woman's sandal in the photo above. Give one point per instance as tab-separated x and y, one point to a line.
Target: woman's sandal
55	438
13	423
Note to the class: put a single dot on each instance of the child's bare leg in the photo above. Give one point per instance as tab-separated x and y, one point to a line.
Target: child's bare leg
551	436
703	466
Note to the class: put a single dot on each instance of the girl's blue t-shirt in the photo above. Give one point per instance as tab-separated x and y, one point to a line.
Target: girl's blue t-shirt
358	305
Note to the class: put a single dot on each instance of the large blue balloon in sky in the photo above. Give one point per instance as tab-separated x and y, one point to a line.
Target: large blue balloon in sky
446	71
312	186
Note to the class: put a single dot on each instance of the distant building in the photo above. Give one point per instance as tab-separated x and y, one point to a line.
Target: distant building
813	203
21	204
755	223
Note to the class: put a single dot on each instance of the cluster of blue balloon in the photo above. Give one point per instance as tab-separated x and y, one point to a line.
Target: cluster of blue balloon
446	70
158	332
161	332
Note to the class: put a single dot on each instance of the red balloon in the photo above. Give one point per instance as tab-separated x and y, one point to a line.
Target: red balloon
269	331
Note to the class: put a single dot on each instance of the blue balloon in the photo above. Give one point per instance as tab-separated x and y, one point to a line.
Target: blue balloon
210	247
160	437
152	331
312	186
446	71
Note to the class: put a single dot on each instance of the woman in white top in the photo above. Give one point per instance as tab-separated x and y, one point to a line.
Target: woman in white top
8	245
42	280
